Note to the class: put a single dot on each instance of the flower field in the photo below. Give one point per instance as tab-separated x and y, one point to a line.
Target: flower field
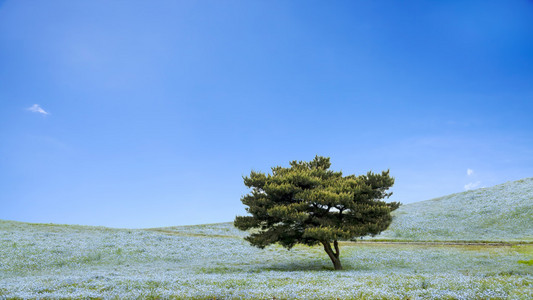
213	261
201	262
499	213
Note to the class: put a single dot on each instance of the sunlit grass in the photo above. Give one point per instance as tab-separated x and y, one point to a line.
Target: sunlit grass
40	261
500	213
213	260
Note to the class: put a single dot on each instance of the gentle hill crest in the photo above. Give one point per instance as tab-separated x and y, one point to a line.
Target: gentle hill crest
500	213
214	261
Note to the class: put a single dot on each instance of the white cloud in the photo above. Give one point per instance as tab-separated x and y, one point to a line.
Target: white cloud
472	185
36	108
469	172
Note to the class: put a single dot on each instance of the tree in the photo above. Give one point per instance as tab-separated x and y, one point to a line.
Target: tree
309	204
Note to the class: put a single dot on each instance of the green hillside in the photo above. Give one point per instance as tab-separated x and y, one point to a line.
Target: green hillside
214	261
47	261
499	213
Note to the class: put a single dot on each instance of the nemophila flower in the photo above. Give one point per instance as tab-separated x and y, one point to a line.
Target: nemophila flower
499	213
40	261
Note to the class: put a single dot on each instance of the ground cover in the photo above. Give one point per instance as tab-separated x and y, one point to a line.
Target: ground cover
201	262
502	213
213	260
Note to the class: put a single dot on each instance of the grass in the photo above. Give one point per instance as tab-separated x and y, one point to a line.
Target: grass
503	213
213	260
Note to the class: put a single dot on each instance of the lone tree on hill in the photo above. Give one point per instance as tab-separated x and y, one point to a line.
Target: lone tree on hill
310	204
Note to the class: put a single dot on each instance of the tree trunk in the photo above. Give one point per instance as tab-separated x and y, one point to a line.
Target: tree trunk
333	255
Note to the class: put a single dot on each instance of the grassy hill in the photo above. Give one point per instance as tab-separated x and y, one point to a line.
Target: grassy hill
500	213
213	261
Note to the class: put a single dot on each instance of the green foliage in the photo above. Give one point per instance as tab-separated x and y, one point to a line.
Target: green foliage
309	204
526	262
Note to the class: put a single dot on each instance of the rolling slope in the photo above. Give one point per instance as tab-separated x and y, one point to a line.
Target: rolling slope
500	213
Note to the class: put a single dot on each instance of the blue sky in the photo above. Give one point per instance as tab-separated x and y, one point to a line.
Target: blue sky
145	114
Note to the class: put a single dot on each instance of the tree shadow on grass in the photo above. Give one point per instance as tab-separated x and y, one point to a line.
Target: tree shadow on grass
306	265
296	266
286	266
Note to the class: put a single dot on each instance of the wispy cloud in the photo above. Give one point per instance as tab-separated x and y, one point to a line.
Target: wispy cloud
469	172
472	185
38	109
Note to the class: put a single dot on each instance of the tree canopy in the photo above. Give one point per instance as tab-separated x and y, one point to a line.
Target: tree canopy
309	204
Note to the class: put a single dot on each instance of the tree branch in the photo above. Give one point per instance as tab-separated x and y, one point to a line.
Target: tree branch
337	250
